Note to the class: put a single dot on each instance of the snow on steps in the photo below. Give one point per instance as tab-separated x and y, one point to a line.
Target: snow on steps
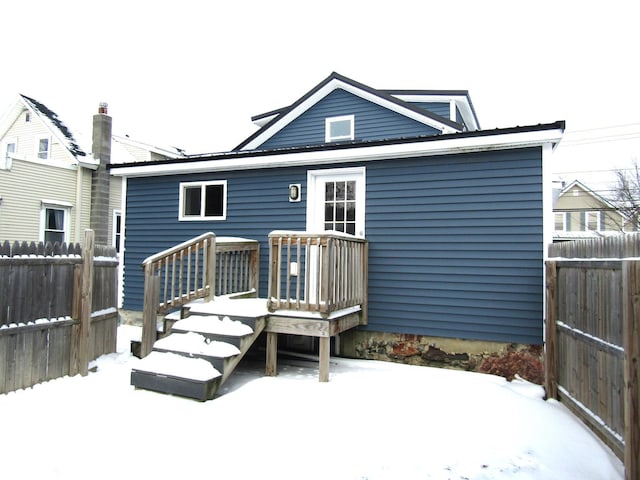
176	374
220	343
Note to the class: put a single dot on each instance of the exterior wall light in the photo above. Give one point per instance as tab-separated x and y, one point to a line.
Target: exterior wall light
295	192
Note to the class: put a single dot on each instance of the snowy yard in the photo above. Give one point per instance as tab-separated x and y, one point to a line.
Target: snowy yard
373	420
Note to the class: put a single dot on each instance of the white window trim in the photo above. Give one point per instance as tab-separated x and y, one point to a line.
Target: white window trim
44	204
114	234
327	128
564	221
598	220
201	217
6	163
49	144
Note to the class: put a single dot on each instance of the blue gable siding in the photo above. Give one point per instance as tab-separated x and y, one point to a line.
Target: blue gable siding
456	241
439	108
372	122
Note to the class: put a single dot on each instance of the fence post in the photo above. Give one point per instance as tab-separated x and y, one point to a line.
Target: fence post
551	344
631	334
81	333
150	310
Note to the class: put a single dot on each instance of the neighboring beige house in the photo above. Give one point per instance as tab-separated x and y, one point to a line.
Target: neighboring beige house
45	178
581	213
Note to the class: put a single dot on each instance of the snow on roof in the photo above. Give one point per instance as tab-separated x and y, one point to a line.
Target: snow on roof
53	122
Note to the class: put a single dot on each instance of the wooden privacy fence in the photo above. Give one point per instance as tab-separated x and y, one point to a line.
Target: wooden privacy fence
593	338
202	267
57	310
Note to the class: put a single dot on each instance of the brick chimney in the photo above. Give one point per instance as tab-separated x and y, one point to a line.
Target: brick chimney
100	218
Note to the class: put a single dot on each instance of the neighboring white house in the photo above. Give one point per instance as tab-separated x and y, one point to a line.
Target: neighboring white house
45	177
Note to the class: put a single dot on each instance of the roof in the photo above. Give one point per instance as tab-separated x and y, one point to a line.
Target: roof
582	186
169	152
458	142
48	117
275	120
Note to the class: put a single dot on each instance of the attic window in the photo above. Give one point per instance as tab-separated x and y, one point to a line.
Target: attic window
339	128
43	148
27	117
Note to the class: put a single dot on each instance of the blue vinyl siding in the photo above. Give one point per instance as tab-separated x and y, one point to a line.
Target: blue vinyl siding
456	241
257	203
372	122
439	108
456	246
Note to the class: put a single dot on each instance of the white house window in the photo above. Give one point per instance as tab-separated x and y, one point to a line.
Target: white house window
591	221
54	223
44	146
117	230
560	222
8	150
340	128
203	200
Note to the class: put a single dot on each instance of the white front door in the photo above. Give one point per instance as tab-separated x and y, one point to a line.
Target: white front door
336	200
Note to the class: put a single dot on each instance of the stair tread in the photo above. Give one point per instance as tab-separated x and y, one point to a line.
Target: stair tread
179	366
195	344
250	307
213	325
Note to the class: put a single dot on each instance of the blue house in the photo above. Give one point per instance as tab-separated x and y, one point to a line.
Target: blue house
456	218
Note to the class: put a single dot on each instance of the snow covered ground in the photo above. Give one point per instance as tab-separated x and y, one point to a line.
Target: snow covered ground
372	420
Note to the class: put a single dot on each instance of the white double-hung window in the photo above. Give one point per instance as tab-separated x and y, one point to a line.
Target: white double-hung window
54	222
339	128
9	147
44	148
203	200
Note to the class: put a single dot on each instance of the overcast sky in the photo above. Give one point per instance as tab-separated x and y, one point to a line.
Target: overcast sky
191	73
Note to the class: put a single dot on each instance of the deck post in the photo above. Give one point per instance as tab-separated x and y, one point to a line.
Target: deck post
150	312
272	354
324	359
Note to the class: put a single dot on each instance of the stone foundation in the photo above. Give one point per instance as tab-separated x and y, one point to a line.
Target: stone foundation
504	359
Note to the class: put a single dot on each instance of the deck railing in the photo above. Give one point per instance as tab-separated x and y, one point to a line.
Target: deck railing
202	267
317	272
237	266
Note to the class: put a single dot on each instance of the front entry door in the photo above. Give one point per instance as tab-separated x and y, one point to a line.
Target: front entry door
336	200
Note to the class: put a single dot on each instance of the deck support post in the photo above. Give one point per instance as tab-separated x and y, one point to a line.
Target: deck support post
324	359
272	354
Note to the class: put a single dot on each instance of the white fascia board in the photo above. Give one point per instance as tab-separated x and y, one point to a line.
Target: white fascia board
358	154
332	85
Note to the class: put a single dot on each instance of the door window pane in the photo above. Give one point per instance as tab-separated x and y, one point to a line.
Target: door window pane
340	206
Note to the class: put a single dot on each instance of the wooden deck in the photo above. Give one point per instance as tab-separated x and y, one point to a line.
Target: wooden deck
285	322
317	286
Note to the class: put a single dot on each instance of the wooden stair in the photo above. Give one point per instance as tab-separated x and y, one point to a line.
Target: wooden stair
198	354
